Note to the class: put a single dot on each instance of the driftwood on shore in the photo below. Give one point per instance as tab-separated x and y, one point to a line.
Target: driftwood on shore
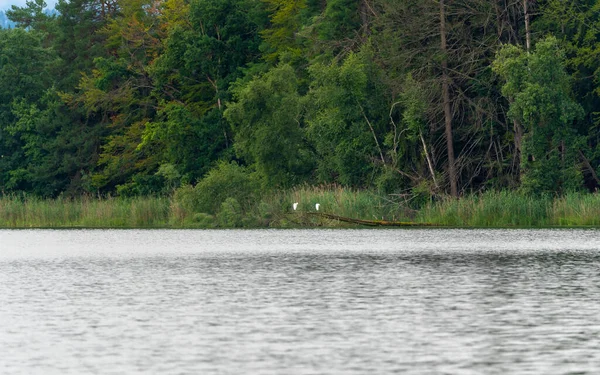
372	223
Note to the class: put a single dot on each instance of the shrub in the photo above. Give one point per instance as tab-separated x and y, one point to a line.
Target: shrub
230	215
227	180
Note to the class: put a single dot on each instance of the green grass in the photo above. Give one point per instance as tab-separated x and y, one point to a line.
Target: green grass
576	210
488	210
492	209
18	212
276	209
509	209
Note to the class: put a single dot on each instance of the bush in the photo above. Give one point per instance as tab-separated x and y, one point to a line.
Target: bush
184	204
202	220
227	180
142	185
230	215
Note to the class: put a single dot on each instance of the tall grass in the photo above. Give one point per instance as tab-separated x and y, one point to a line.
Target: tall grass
277	208
28	212
488	210
510	209
491	209
576	210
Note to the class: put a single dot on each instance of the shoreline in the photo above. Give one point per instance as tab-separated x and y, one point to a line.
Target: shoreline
297	228
340	208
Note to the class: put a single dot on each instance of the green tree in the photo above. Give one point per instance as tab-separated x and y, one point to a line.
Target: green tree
191	143
266	117
62	138
281	37
119	92
205	50
339	20
347	117
77	40
577	25
31	16
542	101
24	79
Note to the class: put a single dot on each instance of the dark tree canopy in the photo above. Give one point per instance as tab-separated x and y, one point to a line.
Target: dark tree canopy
134	97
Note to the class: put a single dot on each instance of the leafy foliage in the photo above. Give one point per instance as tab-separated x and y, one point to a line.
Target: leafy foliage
268	131
341	124
225	182
541	100
413	98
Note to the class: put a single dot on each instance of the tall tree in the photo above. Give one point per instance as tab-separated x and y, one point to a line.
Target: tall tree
118	92
447	47
543	103
447	103
577	25
203	55
346	115
266	117
24	78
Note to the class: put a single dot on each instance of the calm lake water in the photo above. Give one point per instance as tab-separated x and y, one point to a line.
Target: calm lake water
300	302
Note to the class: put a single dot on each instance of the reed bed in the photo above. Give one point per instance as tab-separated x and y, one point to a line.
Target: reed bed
28	212
502	209
488	210
491	209
510	209
576	210
335	200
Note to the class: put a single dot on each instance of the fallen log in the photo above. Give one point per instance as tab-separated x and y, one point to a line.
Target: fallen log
372	223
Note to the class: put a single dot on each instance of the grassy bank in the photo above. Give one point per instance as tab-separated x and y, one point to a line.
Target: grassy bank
488	210
492	209
19	212
505	209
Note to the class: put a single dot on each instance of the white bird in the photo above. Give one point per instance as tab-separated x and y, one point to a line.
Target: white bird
295	205
317	206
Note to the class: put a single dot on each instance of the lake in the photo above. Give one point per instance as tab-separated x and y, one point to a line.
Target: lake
399	301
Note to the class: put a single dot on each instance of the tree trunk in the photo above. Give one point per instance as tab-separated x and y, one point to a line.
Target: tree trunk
527	31
517	126
518	146
589	167
429	163
447	104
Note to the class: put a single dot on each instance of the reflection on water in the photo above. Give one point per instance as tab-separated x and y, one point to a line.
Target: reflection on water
300	302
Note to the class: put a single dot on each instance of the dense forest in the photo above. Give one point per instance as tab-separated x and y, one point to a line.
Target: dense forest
429	97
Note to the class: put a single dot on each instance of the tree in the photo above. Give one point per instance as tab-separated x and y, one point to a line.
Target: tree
542	101
347	118
62	138
205	50
577	25
77	40
31	16
447	103
24	79
281	37
447	47
266	118
118	93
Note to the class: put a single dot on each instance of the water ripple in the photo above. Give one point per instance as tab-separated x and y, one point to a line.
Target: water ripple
300	302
